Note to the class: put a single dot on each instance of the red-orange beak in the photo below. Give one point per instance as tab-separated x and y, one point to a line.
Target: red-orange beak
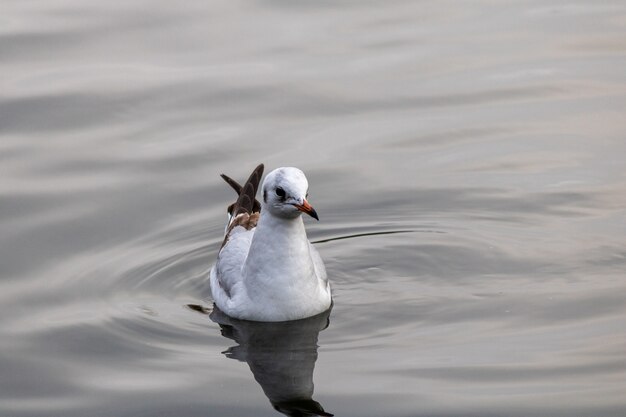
305	207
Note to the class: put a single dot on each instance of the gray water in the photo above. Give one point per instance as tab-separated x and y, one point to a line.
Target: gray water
466	160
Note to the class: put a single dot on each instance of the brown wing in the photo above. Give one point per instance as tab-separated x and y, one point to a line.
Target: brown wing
245	211
256	206
246	202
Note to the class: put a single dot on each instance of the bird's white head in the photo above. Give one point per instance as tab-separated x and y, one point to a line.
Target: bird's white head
284	193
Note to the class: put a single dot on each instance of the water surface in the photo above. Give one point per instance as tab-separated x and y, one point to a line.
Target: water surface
466	161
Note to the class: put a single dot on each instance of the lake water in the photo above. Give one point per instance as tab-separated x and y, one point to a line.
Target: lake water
467	161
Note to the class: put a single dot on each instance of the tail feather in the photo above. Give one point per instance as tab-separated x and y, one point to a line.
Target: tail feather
246	202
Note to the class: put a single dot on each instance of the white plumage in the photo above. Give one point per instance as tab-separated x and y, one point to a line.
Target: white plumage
267	270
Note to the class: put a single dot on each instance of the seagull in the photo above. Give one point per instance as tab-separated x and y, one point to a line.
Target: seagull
266	269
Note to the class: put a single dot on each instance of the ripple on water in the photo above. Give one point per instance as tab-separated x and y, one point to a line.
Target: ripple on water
468	172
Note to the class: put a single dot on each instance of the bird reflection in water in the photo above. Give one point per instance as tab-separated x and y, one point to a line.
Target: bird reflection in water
281	357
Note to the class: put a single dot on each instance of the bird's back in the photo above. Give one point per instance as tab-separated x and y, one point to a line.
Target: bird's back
226	274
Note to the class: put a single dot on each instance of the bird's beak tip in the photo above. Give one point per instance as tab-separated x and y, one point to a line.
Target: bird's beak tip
305	207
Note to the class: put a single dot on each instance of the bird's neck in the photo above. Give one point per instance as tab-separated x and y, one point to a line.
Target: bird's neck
283	244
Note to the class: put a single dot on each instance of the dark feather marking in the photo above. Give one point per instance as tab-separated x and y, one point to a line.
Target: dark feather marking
246	202
232	183
245	220
245	211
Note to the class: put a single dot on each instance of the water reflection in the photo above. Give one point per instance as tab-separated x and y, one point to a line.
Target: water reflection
281	357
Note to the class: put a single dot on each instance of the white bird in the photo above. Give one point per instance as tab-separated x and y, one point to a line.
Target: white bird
266	269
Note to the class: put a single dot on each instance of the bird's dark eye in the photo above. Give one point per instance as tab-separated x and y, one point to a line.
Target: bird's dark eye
280	192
